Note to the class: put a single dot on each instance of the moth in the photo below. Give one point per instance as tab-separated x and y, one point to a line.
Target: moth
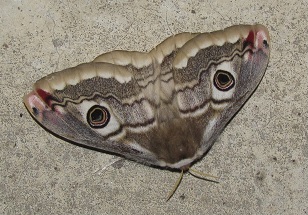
162	108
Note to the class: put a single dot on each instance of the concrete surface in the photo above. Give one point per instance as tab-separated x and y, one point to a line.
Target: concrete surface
261	158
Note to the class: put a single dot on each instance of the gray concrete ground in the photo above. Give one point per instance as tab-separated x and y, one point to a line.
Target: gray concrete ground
261	158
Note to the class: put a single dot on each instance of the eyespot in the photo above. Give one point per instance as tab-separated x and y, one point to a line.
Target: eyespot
35	111
98	116
223	80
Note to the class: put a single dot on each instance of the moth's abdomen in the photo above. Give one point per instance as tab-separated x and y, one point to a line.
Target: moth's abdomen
171	142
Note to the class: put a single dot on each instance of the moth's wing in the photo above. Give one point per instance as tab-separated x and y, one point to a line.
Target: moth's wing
123	83
202	69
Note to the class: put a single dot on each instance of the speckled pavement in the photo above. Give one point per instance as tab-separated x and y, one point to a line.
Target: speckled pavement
261	157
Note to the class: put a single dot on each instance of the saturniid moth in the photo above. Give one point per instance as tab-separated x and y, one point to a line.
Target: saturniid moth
162	108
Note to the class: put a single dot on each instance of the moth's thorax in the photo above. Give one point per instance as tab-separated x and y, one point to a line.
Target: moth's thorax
165	107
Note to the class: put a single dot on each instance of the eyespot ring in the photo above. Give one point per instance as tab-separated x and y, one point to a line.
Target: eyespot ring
98	116
223	80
